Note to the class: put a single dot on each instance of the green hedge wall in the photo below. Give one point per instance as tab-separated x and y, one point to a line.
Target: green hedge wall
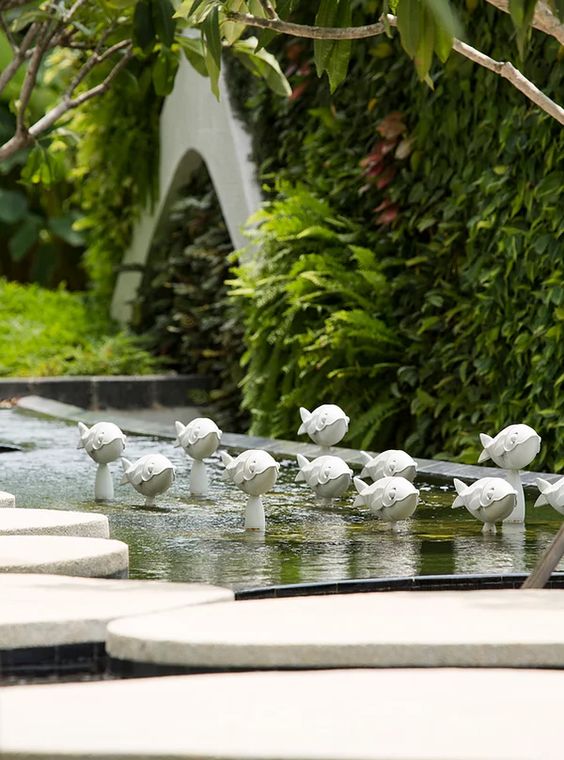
412	264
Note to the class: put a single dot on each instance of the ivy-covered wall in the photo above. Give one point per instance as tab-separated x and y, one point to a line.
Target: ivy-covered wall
412	254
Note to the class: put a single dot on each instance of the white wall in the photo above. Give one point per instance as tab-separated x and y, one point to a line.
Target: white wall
194	127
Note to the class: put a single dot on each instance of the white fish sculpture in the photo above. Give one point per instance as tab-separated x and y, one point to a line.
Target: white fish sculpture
326	425
104	443
489	500
513	448
551	493
328	476
151	475
254	472
199	439
391	499
387	464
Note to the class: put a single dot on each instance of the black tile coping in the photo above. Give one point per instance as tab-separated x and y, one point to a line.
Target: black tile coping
101	392
90	660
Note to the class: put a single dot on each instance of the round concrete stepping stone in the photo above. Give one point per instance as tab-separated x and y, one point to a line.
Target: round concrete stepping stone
64	555
7	499
395	629
48	610
56	522
335	715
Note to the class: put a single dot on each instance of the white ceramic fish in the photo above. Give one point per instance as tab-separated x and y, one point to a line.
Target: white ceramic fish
551	493
387	464
513	448
391	499
199	439
326	425
151	475
328	476
254	472
489	500
104	443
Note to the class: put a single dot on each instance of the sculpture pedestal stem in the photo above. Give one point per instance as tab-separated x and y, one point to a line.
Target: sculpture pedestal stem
104	485
518	514
199	482
254	514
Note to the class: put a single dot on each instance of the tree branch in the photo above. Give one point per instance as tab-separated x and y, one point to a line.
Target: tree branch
11	69
8	34
311	32
544	19
31	76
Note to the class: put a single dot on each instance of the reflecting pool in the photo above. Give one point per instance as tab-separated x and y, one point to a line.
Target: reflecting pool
185	538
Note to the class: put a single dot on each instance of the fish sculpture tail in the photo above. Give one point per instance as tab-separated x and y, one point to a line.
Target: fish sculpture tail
485	440
542	485
180	428
126	464
306	416
461	488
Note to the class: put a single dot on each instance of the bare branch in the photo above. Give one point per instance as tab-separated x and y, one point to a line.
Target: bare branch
268	9
94	60
31	76
8	34
310	32
11	69
508	71
544	19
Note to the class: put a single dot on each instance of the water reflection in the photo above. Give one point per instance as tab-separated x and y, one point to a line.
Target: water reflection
187	538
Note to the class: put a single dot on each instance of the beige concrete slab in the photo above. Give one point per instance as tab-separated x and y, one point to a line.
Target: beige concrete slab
56	522
63	555
7	499
394	629
335	715
51	610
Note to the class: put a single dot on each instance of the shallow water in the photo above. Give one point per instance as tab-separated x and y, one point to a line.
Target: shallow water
189	539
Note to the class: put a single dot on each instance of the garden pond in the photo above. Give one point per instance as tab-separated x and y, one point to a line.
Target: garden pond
184	538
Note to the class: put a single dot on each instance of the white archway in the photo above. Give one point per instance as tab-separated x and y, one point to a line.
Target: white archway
194	127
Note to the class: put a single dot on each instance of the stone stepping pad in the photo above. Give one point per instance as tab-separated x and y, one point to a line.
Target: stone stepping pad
57	522
506	628
64	555
439	714
7	499
49	610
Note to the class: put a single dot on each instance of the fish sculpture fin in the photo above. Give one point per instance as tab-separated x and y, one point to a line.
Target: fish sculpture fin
360	486
542	485
127	465
83	430
225	458
460	489
305	415
302	462
485	440
180	428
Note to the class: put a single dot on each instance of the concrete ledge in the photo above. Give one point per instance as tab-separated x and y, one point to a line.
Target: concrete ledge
54	522
101	392
429	629
428	469
338	715
48	610
7	499
63	555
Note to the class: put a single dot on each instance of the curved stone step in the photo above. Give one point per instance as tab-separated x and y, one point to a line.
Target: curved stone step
55	522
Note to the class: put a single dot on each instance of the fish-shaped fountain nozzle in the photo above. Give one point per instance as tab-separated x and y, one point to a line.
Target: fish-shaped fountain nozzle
151	475
326	425
199	438
254	472
489	500
328	476
387	464
103	442
513	448
391	498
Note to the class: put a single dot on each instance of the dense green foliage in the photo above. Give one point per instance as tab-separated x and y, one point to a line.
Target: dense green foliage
54	332
183	308
457	195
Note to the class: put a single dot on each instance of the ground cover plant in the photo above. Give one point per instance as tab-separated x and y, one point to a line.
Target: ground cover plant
54	332
454	195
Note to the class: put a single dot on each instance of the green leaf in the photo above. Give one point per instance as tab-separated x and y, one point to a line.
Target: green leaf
445	17
143	26
164	71
62	226
424	54
410	21
212	38
284	8
195	11
194	51
559	9
262	64
522	12
25	237
13	206
333	56
162	12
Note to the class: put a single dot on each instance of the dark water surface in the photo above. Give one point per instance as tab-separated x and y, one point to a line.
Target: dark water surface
189	539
